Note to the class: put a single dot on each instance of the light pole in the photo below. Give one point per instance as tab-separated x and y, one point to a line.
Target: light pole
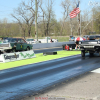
36	29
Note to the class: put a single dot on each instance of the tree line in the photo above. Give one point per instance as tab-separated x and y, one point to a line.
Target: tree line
48	25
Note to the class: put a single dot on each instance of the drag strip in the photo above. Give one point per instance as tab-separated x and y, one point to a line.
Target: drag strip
18	82
47	49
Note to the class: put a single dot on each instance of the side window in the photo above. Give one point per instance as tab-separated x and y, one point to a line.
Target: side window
22	41
98	38
14	40
19	40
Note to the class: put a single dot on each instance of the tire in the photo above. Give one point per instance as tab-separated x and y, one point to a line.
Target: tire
0	53
91	54
83	53
13	50
63	47
99	53
28	48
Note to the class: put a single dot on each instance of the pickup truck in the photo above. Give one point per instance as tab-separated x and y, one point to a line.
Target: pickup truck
90	46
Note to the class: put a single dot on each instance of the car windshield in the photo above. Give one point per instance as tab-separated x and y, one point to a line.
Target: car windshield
6	40
9	40
30	40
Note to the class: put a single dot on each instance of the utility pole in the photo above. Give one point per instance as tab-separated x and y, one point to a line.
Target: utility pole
36	29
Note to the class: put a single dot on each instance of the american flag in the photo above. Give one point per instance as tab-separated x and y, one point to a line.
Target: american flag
75	11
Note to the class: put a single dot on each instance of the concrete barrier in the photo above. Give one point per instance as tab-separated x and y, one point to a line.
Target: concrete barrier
8	57
50	45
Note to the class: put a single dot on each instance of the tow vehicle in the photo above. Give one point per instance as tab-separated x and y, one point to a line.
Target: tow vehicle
90	46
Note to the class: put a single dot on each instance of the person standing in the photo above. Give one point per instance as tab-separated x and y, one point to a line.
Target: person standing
51	40
77	45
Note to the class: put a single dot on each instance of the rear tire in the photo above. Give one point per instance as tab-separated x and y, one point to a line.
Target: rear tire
99	53
27	49
83	53
91	54
0	52
13	50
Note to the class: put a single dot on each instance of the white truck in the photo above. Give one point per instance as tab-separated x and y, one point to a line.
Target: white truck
47	40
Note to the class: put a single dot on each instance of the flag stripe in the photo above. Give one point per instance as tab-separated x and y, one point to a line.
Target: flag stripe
75	12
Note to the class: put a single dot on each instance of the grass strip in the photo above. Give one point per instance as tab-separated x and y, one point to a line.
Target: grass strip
39	58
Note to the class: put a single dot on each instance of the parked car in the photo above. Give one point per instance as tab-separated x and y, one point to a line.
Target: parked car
30	41
86	36
71	38
14	44
90	46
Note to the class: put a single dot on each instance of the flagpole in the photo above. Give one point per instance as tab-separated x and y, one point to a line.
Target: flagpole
80	20
74	13
71	27
80	23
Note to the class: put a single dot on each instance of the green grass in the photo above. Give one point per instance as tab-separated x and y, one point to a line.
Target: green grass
39	58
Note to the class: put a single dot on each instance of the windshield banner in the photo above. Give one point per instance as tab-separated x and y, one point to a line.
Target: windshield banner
8	57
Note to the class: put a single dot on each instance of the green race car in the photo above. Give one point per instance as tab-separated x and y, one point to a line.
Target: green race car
14	45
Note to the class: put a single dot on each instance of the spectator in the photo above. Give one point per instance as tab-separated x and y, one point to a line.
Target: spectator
51	40
87	38
77	45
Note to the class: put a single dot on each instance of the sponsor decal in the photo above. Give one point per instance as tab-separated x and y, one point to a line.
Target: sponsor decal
21	46
10	57
7	57
27	55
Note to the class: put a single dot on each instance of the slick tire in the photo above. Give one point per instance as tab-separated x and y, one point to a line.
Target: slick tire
13	50
83	53
27	49
91	54
99	53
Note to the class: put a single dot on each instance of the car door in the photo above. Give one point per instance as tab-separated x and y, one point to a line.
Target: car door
19	45
13	43
23	44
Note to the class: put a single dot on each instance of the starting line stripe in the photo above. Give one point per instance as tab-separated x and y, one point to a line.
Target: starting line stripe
96	71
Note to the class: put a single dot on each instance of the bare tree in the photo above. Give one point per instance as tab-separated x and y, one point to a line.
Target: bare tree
47	15
66	7
24	17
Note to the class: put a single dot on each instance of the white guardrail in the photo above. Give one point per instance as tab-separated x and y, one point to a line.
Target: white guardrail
50	45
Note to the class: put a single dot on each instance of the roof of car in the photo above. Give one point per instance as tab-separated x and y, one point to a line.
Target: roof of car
13	38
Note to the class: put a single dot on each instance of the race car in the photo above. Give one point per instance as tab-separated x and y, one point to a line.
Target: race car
14	44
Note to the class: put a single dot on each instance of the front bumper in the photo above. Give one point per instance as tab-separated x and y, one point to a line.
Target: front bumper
90	47
5	49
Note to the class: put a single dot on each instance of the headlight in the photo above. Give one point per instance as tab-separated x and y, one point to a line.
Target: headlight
98	42
80	42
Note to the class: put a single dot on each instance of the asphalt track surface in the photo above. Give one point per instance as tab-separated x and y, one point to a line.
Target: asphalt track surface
47	50
16	83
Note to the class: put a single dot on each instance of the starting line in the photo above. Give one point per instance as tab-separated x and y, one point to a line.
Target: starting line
96	71
8	57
